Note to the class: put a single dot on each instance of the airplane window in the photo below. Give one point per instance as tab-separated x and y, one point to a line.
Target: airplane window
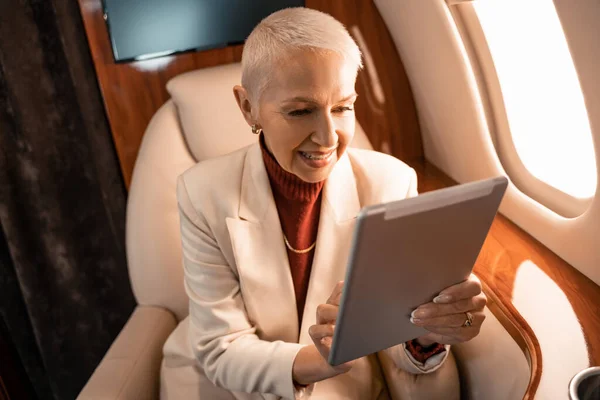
542	96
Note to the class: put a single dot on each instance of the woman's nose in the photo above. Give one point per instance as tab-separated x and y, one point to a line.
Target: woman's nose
325	134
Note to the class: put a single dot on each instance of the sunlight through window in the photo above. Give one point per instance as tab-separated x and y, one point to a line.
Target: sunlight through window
542	95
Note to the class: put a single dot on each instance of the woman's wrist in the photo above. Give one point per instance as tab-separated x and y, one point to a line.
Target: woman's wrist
309	367
301	367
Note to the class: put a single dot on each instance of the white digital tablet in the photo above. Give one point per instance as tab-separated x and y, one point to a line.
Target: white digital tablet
403	254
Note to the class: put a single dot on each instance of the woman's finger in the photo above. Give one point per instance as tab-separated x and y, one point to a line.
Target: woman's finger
322	337
449	321
432	310
320	332
469	288
327	314
461	334
336	295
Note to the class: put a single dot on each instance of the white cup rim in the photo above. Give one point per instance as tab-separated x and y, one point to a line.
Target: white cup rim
578	378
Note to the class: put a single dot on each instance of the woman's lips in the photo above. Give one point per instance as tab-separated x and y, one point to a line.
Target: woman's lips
316	159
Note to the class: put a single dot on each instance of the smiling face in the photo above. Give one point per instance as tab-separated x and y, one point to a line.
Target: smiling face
306	112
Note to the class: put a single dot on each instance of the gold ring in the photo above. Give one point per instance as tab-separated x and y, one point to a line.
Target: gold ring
469	320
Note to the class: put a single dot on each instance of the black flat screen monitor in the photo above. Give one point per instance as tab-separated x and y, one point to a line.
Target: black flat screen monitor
143	29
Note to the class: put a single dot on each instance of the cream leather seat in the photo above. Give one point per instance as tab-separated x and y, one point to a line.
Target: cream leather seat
201	120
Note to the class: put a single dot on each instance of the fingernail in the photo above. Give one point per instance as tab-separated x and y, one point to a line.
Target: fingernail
415	320
443	298
419	313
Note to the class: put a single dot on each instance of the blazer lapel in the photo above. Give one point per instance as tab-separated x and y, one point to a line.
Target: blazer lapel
260	255
339	208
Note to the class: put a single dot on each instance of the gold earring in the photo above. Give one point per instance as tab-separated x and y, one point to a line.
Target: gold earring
256	130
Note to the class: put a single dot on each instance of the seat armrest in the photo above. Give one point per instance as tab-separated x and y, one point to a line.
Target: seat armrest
131	367
492	366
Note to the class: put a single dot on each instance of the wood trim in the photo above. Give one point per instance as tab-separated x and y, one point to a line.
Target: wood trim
521	333
133	92
392	126
505	249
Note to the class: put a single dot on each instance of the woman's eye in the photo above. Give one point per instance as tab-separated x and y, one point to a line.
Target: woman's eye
343	109
297	113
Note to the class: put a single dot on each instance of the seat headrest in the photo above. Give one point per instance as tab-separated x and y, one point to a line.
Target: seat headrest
210	118
211	121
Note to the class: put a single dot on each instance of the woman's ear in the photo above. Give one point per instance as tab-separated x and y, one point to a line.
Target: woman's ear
243	101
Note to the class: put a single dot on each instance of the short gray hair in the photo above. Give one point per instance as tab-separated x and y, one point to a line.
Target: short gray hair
288	30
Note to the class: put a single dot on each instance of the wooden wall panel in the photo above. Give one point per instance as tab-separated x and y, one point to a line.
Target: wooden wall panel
392	125
133	92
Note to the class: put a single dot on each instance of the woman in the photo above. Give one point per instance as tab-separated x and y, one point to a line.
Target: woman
266	234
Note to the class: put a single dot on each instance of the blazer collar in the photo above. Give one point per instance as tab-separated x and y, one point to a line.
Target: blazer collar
261	256
339	192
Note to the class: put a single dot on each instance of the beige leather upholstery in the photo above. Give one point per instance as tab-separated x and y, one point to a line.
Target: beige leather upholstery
492	366
129	368
152	234
201	121
210	119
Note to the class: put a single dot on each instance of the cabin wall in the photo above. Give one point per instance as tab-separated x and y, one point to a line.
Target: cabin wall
456	134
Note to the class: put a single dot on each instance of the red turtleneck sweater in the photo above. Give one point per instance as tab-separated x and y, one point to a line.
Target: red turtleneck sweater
298	205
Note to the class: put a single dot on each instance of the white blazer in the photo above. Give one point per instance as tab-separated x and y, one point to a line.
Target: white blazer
242	335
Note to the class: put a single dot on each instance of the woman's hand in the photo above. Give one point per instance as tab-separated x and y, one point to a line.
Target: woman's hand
446	316
311	363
